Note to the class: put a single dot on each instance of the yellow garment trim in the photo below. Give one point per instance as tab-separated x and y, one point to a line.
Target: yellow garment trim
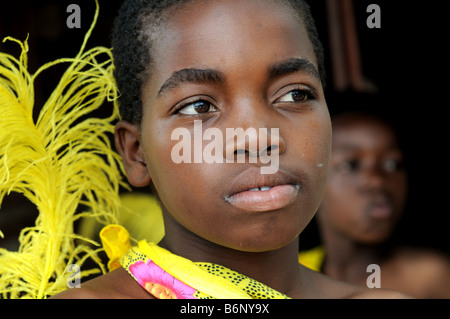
116	242
166	275
312	258
188	272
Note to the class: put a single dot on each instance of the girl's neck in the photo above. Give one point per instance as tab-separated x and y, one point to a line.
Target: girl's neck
348	260
260	266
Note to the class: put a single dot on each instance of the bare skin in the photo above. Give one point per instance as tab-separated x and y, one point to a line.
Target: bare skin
261	72
118	284
363	201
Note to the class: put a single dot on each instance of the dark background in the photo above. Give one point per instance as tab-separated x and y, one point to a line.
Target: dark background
406	59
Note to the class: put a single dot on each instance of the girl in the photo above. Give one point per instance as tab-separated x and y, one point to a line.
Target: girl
230	231
364	199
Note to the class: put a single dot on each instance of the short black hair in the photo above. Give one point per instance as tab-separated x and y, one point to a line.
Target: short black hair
132	47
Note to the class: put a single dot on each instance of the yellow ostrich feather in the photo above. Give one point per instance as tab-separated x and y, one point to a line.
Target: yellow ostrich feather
62	162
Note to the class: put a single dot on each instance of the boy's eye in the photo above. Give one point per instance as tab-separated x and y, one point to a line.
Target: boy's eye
296	96
199	107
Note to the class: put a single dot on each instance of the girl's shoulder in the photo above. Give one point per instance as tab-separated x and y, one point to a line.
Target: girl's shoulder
117	284
424	272
325	287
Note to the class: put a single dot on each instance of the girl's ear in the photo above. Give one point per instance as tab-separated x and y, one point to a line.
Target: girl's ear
127	139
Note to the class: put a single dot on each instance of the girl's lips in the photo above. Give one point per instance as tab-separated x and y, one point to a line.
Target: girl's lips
381	208
266	199
381	211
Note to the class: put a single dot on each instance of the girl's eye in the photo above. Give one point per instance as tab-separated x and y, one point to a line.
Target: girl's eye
297	96
199	107
349	166
392	165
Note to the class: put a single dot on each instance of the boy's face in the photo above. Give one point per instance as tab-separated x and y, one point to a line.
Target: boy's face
236	64
367	187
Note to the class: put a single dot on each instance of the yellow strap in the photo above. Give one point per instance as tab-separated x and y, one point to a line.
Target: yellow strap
188	272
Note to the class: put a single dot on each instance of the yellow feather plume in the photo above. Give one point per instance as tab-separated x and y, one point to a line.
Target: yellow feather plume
61	163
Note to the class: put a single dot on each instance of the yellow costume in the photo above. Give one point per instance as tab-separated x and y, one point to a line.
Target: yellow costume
312	258
64	162
168	276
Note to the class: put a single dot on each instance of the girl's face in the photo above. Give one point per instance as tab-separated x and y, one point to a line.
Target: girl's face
237	64
367	187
